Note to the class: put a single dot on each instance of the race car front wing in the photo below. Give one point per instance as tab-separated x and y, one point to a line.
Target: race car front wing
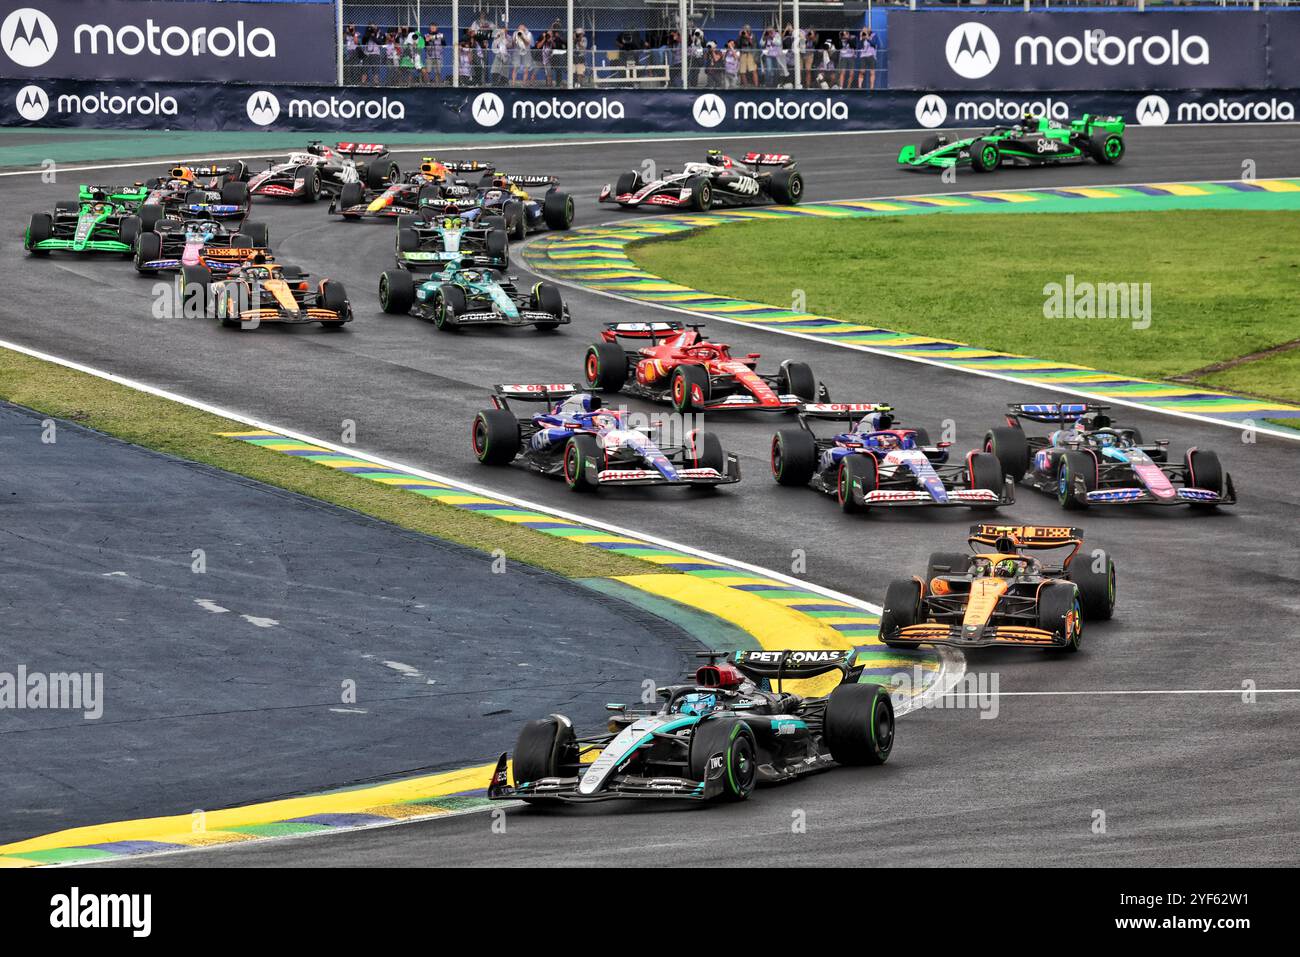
617	786
977	636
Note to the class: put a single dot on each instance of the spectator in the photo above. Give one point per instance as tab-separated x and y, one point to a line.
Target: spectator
695	58
731	74
465	61
867	47
809	49
848	60
370	46
545	48
434	41
521	47
579	57
500	57
790	47
714	65
748	65
559	55
773	59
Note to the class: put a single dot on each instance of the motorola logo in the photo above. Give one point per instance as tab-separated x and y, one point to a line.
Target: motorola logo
709	110
263	108
488	110
973	50
29	37
32	103
1152	110
931	111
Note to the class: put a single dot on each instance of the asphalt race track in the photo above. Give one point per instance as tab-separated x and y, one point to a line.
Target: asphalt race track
1205	602
226	687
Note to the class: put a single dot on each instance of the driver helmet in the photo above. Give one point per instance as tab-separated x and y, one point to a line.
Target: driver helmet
1006	568
715	158
1105	440
431	167
876	422
182	173
697	703
579	404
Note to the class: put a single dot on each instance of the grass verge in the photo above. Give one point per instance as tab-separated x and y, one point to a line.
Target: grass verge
187	433
1222	282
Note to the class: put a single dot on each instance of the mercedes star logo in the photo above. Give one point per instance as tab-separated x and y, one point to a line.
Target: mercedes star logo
973	50
29	37
709	110
1152	110
488	110
263	108
32	103
931	111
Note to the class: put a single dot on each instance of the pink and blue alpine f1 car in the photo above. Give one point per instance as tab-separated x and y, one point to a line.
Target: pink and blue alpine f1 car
1088	460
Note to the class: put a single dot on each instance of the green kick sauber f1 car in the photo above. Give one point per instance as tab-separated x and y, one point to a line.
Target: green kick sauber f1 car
1035	141
100	220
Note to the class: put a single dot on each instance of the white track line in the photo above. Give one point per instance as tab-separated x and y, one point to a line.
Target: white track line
433	476
987	373
471	147
556	144
1147	691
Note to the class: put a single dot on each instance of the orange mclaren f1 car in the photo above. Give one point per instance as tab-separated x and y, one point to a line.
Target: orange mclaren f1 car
261	290
1001	596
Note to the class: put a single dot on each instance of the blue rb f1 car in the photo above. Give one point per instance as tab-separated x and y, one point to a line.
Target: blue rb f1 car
873	462
711	739
1087	461
591	446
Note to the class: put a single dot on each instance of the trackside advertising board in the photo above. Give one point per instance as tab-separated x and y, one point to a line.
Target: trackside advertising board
1094	50
158	40
373	111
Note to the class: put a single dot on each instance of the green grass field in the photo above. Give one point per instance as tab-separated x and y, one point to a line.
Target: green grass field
1223	284
188	433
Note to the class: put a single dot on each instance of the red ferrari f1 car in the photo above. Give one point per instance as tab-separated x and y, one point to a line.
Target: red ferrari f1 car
673	362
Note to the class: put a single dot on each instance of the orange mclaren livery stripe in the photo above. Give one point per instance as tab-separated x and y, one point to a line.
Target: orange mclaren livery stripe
280	290
984	596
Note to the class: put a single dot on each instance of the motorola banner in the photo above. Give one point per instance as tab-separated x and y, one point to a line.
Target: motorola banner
1084	50
374	112
157	40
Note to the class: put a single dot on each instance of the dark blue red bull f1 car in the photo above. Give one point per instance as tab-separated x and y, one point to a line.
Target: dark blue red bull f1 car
1088	460
591	446
711	739
873	462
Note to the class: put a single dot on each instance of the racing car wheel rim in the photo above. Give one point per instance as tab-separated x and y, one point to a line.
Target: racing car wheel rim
1114	147
989	157
842	490
593	368
572	466
478	436
882	728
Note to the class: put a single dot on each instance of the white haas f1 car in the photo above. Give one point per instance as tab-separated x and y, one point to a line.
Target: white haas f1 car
874	463
324	169
592	447
712	739
720	181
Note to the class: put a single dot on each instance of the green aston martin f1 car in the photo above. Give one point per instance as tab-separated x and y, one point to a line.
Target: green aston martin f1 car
100	220
1035	141
459	297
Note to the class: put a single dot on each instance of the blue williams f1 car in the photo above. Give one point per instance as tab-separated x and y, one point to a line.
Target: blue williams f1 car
592	447
1087	461
712	739
875	463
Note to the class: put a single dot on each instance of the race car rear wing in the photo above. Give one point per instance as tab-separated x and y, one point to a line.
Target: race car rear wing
654	331
470	166
793	663
1051	412
361	149
531	179
1012	538
769	159
841	411
532	392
